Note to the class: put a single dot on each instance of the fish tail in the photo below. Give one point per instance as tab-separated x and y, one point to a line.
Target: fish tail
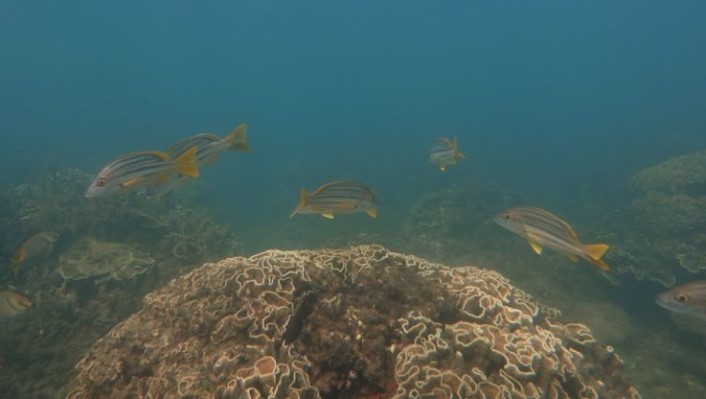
186	163
237	139
457	152
303	198
595	252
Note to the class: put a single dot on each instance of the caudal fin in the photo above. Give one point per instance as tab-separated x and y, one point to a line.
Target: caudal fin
238	139
595	252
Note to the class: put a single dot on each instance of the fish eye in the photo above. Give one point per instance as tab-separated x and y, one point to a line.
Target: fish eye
682	298
100	182
506	216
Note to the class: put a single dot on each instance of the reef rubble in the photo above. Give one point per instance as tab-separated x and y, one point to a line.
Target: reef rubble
362	322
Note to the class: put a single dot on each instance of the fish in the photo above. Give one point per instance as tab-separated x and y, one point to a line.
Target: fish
345	196
544	229
142	169
689	299
210	146
33	249
445	153
13	303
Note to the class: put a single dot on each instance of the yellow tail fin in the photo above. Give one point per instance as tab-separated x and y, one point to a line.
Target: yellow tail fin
595	252
237	139
186	163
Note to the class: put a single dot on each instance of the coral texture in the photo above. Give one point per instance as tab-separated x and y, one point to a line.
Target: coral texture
357	323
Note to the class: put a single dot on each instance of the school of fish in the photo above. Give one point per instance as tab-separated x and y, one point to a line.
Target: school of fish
158	172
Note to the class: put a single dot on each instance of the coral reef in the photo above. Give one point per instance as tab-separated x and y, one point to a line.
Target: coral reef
363	323
662	234
102	261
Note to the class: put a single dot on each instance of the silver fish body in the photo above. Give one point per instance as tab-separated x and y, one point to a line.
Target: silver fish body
689	299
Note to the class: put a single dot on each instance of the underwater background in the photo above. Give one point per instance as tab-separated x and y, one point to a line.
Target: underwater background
577	108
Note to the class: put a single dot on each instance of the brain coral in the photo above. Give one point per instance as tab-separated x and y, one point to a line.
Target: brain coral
357	323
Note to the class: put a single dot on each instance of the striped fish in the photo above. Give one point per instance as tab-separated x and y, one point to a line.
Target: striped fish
543	229
142	169
444	153
33	250
344	196
210	146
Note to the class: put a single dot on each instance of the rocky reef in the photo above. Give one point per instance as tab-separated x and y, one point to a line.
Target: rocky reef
359	323
668	220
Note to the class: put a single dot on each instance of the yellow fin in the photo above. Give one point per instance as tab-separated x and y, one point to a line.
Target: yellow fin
594	252
373	213
573	257
186	163
128	183
303	196
237	139
327	215
536	247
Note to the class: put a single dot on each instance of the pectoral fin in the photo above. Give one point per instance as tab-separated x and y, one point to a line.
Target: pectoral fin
327	215
536	247
373	213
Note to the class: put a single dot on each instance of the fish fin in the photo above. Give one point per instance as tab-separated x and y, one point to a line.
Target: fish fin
373	213
128	183
186	163
237	139
594	252
327	215
303	198
536	247
573	257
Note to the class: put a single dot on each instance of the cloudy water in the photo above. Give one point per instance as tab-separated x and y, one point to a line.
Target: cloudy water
595	112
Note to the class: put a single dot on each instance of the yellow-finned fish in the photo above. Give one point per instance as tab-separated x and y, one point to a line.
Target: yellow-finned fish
33	249
689	298
142	169
344	196
544	229
210	146
13	303
445	153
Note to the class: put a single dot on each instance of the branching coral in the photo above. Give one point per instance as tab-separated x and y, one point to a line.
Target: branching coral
378	324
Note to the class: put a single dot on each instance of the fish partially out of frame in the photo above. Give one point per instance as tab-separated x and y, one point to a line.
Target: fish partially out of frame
34	249
13	303
142	169
445	153
344	196
689	299
544	229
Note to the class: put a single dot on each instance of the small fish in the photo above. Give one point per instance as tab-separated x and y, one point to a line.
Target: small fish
542	228
444	153
689	299
210	146
13	303
344	196
142	169
33	249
